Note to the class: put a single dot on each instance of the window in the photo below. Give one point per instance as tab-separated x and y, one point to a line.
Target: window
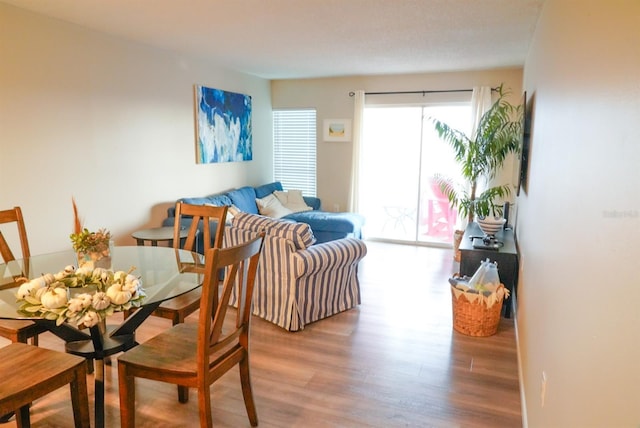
294	149
404	203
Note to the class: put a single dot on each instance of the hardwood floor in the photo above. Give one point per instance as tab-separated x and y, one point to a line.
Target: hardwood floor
394	361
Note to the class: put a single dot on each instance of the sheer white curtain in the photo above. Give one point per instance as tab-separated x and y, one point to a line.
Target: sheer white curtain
480	103
358	113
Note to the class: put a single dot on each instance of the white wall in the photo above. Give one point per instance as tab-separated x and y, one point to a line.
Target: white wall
330	97
109	122
579	221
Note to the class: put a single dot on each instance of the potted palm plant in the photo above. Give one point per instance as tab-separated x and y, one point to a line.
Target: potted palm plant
480	157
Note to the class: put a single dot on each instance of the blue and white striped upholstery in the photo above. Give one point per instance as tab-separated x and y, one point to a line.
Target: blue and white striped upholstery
300	233
298	284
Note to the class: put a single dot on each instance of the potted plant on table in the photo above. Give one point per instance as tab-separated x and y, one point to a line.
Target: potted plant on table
92	248
480	157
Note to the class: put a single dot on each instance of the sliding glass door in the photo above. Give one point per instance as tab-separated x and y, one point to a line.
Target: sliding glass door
401	156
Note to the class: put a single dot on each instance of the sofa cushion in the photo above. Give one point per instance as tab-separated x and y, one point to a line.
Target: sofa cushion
270	206
244	198
231	211
267	189
215	199
299	233
293	200
328	221
219	200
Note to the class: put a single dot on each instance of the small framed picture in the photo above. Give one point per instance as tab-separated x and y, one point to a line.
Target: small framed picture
337	130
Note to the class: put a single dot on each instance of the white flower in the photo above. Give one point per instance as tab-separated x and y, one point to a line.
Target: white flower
132	286
74	305
84	271
80	302
101	300
86	299
91	318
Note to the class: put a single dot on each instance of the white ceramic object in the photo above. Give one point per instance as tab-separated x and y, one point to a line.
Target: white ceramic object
491	225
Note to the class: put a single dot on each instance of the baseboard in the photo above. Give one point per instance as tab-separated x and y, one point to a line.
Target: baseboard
523	398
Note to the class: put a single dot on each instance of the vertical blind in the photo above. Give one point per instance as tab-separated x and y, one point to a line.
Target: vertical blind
294	149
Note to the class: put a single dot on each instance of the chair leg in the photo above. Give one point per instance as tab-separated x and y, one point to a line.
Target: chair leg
204	406
183	394
183	391
247	393
79	397
90	367
126	386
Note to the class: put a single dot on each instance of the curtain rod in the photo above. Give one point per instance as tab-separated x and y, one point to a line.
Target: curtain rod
351	94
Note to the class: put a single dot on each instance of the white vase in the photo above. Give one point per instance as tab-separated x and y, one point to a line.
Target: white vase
490	225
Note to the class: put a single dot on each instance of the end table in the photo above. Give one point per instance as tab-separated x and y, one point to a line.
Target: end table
156	234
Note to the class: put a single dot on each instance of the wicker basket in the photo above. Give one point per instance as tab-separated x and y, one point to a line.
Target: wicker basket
475	315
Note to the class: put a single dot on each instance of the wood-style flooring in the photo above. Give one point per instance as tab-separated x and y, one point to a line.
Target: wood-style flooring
394	361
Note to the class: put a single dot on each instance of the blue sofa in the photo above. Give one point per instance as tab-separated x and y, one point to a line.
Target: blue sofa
326	226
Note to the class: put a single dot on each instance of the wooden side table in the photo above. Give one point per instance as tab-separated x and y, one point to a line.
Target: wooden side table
157	234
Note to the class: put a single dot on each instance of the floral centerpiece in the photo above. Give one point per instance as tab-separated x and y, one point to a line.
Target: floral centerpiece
93	248
83	296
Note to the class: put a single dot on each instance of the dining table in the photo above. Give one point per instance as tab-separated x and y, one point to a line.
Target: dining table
165	273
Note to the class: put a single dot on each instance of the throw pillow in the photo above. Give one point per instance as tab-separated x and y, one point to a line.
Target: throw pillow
231	211
270	206
293	200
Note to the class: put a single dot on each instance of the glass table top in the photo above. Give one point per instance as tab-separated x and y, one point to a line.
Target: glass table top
165	272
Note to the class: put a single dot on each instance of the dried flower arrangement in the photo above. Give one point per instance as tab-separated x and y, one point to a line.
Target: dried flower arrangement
92	247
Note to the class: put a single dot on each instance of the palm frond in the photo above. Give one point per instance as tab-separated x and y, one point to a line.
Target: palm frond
482	155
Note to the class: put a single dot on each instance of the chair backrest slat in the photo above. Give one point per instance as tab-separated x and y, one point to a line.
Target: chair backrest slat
13	216
200	214
240	264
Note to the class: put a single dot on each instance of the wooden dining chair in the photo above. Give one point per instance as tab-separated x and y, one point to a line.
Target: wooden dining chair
179	308
17	330
29	373
195	355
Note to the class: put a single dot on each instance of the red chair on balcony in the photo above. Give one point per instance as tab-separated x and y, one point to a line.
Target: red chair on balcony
440	220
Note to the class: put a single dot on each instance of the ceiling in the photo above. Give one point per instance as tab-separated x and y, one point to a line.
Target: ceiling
284	39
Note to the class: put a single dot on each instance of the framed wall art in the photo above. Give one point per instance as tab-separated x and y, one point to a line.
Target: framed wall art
223	126
337	130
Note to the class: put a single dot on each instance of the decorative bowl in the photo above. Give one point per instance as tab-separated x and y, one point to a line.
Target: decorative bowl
491	225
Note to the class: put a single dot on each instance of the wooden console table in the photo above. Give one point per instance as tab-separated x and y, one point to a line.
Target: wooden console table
506	256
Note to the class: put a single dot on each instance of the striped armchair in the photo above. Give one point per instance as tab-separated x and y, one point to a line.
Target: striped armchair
298	282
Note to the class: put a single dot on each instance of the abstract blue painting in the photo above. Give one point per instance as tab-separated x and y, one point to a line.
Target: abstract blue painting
223	128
